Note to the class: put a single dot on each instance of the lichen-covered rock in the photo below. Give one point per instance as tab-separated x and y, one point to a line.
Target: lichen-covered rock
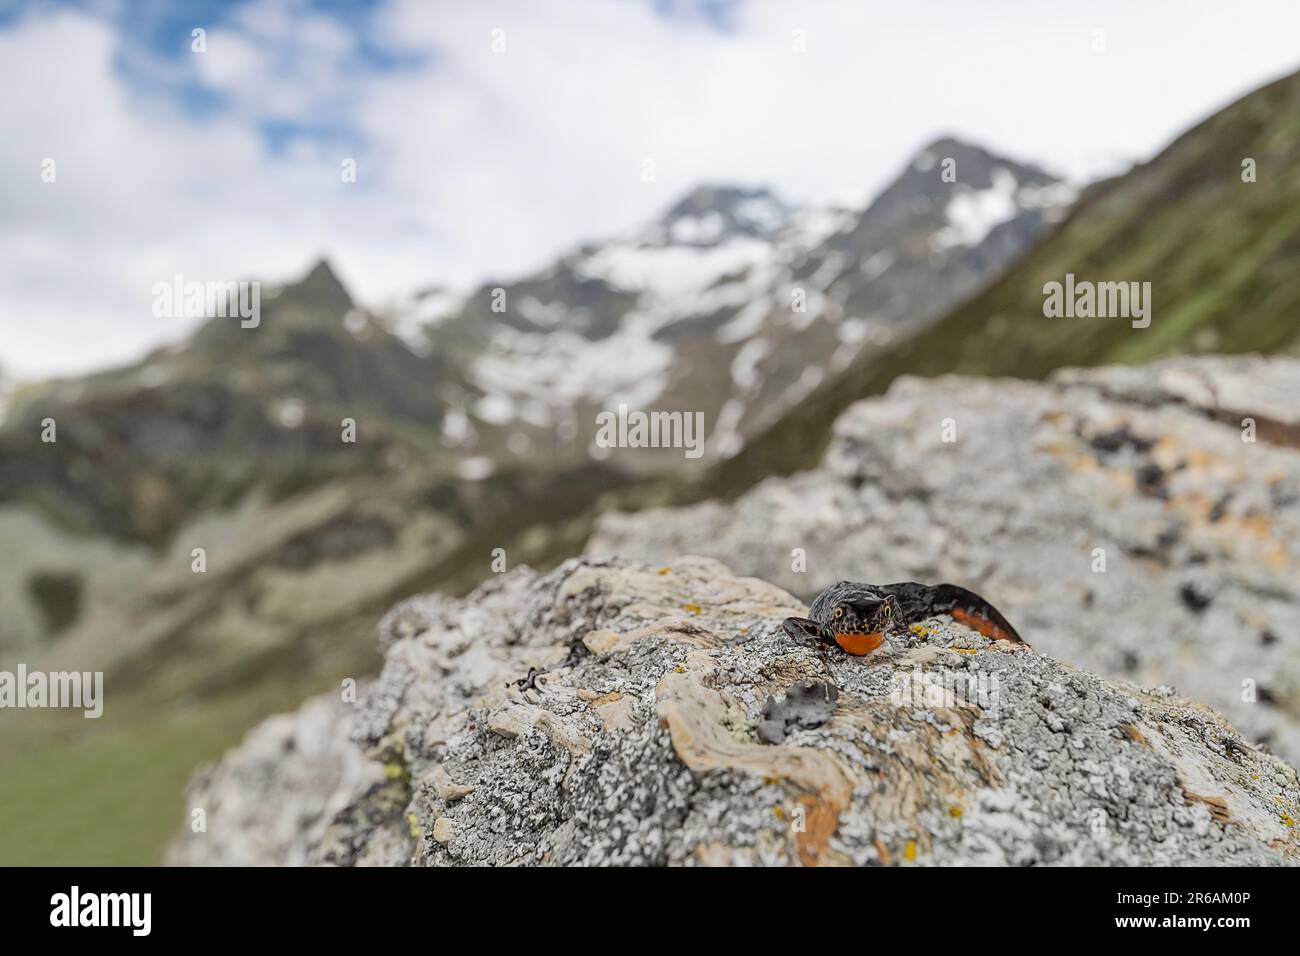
609	712
1141	523
239	814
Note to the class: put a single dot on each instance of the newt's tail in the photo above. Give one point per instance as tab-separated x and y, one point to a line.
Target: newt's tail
967	607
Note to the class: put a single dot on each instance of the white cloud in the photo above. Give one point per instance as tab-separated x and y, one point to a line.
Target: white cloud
476	163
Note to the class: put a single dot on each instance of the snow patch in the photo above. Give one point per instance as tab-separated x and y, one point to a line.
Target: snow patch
456	427
851	331
495	408
1047	197
745	323
726	439
562	366
540	313
811	227
290	412
744	367
670	271
973	213
763	213
698	230
474	469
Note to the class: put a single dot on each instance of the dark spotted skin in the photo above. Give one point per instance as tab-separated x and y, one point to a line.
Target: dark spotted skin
857	617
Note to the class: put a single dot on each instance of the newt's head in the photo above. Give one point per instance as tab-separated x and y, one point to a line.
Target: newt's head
853	616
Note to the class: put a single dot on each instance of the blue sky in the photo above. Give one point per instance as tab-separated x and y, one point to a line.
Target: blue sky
155	48
475	161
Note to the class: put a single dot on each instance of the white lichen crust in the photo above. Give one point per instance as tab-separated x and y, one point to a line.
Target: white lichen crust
638	746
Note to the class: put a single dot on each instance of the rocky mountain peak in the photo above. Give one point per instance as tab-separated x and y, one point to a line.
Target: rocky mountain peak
320	289
953	182
975	165
709	214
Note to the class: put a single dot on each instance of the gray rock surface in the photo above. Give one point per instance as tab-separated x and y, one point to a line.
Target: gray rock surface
306	754
640	745
1144	467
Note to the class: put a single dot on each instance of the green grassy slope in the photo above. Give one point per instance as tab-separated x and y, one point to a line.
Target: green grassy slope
79	792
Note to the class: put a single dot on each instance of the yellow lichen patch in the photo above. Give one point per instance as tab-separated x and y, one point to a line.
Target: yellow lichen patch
779	811
680	669
1288	820
664	570
394	771
693	608
771	781
414	823
920	630
964	650
955	812
909	851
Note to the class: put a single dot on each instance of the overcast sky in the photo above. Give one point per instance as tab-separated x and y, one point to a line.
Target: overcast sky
473	163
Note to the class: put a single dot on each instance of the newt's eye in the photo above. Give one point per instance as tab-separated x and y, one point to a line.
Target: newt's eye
887	609
837	613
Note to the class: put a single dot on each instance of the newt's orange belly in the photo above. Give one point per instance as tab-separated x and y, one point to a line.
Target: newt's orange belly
859	644
982	624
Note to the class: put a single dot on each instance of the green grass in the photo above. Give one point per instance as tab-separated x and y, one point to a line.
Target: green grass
110	792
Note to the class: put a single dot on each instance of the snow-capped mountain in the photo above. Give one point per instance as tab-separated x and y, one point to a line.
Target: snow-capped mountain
474	417
733	303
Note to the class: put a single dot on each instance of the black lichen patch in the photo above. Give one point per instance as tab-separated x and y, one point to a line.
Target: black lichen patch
1110	442
807	704
1196	599
1220	508
534	680
1150	480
